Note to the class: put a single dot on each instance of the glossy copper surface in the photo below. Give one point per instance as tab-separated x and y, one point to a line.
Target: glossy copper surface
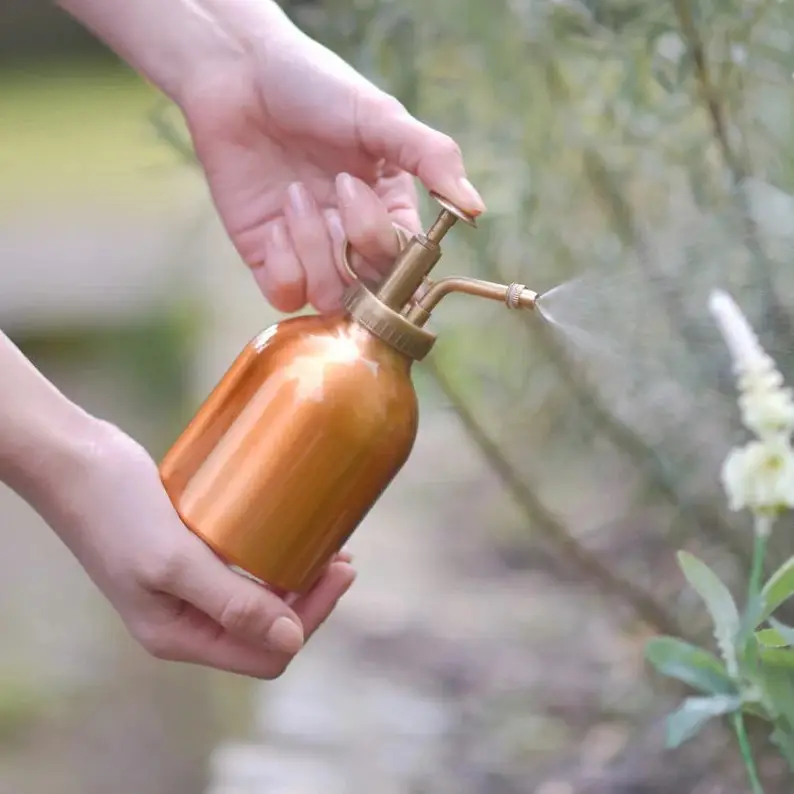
293	447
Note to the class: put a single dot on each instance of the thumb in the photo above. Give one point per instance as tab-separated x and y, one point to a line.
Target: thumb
241	606
388	131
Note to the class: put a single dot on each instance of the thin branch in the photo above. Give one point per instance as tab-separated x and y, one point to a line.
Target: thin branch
738	168
643	603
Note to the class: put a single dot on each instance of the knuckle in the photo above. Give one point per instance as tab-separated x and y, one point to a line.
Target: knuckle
162	572
242	615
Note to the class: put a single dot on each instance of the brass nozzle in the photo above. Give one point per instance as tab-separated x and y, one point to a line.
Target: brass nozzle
515	296
420	256
397	314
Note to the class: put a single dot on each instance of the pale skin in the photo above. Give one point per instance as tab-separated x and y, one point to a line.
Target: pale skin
299	151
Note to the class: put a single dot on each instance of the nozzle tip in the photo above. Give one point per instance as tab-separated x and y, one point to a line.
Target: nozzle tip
527	299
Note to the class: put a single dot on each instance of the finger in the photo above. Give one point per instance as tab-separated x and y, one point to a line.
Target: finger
281	276
387	130
197	639
314	608
312	244
361	269
241	606
338	237
397	190
366	223
227	652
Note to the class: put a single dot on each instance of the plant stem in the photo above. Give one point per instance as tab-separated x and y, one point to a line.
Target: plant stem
757	570
761	534
747	753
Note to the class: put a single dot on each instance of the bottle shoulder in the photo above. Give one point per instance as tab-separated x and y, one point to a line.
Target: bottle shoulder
329	355
335	338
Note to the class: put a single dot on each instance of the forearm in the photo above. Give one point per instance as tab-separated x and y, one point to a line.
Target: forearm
172	42
45	439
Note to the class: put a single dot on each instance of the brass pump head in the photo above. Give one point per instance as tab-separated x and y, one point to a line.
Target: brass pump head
396	315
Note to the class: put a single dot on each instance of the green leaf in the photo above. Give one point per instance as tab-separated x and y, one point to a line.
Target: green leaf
777	682
694	666
688	720
786	633
777	657
784	742
718	601
752	616
779	588
770	638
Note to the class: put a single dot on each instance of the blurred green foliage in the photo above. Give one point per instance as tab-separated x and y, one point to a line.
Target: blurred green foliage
149	359
75	132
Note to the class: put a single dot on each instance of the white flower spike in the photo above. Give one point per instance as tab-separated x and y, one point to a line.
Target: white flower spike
760	475
767	406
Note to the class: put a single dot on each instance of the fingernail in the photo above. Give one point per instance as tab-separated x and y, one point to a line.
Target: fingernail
346	188
335	226
473	198
299	199
285	635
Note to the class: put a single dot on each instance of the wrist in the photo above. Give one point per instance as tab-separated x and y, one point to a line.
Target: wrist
49	448
46	441
179	45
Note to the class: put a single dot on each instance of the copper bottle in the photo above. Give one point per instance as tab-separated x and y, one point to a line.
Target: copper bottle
313	421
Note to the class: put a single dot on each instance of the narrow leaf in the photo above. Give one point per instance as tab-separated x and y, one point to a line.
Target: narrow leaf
778	657
786	633
784	742
752	616
690	718
718	601
779	588
694	666
778	685
770	638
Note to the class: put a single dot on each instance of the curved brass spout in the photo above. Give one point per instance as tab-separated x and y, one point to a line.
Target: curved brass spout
516	296
397	312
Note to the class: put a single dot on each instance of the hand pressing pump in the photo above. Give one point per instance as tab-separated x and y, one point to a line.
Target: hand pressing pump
313	421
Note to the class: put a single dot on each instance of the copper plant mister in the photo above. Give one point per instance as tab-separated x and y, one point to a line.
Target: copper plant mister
313	421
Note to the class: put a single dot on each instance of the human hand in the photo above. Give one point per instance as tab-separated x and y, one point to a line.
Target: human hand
280	131
175	596
275	117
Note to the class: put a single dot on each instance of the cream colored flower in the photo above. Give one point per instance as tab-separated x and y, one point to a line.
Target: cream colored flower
760	475
767	406
768	413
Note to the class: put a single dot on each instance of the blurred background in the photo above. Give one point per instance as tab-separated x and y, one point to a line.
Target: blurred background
637	152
